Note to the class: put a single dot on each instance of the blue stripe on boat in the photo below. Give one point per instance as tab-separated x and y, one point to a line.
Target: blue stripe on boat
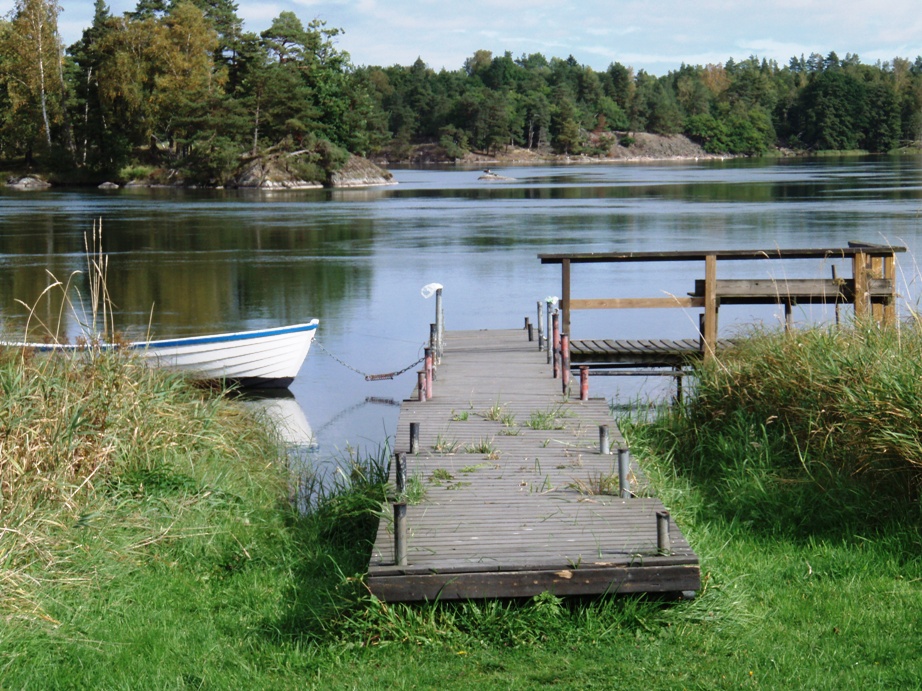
225	338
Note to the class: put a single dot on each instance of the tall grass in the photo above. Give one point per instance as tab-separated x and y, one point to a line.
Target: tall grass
151	545
812	429
87	440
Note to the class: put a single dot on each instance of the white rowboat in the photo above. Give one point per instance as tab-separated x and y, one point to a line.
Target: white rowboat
265	358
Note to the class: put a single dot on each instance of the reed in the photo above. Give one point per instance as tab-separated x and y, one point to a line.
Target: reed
834	402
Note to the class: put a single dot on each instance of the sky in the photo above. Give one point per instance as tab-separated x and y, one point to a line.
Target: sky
654	35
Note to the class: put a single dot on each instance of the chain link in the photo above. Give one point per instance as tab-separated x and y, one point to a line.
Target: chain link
369	377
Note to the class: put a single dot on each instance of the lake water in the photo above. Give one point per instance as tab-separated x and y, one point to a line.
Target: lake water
187	262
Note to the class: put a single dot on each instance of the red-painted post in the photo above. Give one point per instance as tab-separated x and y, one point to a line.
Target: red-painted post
421	384
584	383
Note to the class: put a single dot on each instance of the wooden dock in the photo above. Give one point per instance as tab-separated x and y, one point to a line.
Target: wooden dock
518	497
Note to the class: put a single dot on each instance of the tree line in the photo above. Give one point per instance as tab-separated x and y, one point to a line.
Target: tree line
179	84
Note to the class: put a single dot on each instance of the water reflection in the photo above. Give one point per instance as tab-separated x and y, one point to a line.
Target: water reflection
183	262
282	411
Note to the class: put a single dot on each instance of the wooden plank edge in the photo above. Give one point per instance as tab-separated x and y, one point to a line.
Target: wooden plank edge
562	582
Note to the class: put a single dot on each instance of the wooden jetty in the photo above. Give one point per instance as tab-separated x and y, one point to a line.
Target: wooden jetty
871	290
524	489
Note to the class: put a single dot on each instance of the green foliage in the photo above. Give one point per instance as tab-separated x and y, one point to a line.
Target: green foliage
178	83
836	409
182	564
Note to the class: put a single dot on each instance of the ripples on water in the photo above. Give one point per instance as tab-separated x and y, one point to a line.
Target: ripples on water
184	262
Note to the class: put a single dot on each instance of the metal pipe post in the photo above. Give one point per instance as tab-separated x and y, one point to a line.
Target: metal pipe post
414	437
604	443
555	342
400	472
540	327
400	534
565	363
624	467
429	373
663	547
440	326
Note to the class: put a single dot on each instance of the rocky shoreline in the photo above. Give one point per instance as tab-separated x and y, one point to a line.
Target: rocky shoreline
278	173
634	148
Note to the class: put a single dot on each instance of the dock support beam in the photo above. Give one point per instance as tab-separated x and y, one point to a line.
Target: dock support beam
584	382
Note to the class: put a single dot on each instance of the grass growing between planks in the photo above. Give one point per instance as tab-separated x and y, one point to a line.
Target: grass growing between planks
204	578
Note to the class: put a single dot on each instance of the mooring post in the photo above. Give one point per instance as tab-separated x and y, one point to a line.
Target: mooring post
439	320
428	360
400	472
662	533
434	345
584	382
604	443
624	467
400	534
565	362
678	384
555	342
549	339
414	437
530	329
540	328
421	384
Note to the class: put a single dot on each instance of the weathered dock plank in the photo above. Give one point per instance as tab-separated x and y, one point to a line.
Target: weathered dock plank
518	497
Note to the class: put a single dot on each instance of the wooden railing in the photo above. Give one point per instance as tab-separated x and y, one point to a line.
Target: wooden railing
871	287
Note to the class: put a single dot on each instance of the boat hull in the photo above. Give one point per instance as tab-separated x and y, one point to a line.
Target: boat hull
265	358
268	358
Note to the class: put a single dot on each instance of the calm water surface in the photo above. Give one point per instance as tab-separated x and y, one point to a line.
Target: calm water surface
189	262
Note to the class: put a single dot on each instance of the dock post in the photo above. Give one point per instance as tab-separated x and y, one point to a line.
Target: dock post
584	382
565	363
549	340
662	533
530	329
678	384
540	328
421	385
429	371
400	472
555	342
604	443
440	324
624	466
414	437
400	534
434	345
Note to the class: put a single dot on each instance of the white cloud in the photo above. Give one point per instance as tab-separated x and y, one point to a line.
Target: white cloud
655	35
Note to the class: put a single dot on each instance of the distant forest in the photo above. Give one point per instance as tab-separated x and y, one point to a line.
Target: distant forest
177	84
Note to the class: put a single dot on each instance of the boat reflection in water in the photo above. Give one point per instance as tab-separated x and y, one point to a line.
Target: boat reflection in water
281	410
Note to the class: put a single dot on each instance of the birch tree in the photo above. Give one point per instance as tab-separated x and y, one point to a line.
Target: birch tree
32	67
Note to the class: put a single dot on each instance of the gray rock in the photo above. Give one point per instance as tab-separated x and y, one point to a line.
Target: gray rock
360	172
27	182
